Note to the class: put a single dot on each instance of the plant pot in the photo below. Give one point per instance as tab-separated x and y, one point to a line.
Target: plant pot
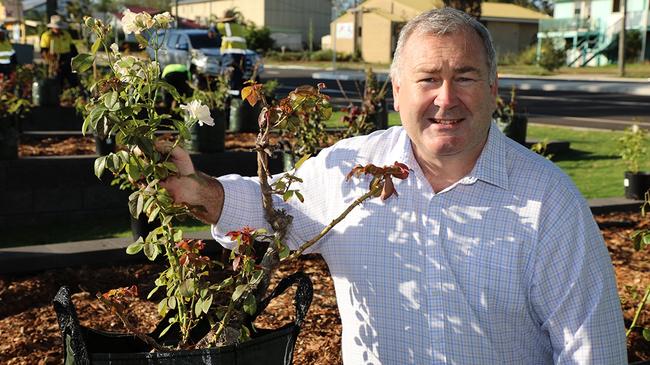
243	117
46	92
379	119
141	227
208	139
104	145
8	140
82	345
515	129
636	184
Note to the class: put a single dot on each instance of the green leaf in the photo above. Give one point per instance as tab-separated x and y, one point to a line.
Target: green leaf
301	161
95	47
110	101
100	165
207	303
152	292
142	40
284	252
299	196
287	195
238	292
162	307
154	214
646	334
82	62
178	236
151	250
167	329
140	205
186	288
135	247
198	308
250	304
171	302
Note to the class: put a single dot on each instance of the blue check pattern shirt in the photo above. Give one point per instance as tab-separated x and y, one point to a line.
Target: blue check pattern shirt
506	266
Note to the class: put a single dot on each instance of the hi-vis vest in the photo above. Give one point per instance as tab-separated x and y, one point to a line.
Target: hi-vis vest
57	44
232	38
6	52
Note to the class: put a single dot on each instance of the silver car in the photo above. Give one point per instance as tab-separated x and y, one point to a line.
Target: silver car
201	54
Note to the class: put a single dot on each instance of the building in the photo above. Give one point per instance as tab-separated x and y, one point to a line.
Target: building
378	22
589	29
290	21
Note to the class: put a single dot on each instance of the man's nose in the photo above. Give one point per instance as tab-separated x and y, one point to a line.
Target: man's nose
446	97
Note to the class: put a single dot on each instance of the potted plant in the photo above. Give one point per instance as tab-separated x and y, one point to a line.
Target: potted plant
374	101
14	105
207	312
215	97
633	152
513	124
243	116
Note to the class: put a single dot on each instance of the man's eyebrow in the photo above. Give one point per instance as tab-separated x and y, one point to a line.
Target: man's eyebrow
466	69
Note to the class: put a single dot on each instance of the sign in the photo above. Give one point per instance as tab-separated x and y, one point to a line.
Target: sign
344	30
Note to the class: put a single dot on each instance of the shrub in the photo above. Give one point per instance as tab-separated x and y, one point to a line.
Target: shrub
528	56
551	58
259	39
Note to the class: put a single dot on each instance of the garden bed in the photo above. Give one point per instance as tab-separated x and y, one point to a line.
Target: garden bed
30	331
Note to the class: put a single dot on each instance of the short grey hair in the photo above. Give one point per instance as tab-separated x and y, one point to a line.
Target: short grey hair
440	22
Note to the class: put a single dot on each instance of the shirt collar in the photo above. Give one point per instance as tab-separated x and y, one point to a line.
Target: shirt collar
490	166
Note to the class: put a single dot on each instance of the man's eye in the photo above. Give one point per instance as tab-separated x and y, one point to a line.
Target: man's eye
429	80
465	80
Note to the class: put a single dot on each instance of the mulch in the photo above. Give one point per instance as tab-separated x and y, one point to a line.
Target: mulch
30	331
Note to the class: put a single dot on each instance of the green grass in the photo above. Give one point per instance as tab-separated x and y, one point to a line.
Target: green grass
592	162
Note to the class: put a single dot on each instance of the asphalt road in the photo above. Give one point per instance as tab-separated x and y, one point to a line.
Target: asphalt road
577	109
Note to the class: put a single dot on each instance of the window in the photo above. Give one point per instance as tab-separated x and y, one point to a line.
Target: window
172	40
616	6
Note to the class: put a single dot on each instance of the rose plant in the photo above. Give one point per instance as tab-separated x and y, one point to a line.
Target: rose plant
125	105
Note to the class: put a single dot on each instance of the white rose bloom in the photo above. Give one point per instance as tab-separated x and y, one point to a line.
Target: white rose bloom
199	111
144	20
164	20
635	128
128	23
115	48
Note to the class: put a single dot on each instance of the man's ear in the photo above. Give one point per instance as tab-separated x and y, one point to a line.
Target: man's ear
395	84
494	89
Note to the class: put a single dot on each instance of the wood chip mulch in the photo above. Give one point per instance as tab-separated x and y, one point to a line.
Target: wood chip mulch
30	334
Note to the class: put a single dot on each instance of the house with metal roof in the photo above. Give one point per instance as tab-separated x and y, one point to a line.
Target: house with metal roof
372	28
589	29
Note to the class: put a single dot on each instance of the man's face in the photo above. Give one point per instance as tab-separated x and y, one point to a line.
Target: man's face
56	30
443	94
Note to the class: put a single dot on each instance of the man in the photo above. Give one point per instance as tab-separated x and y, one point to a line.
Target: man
233	48
58	50
489	255
7	53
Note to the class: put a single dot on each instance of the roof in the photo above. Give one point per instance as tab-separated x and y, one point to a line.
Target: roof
489	10
510	11
182	2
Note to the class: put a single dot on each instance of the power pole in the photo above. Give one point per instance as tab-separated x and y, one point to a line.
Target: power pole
621	41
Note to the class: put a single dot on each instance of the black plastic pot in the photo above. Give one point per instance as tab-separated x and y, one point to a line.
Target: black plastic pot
515	129
636	184
210	139
8	140
379	119
104	146
140	227
46	92
82	345
243	117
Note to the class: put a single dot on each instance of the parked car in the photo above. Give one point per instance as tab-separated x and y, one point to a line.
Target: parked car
193	47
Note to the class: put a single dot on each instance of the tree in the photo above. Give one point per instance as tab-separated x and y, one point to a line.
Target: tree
471	7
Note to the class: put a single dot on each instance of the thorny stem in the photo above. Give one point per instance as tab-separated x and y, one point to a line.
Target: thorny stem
130	327
373	192
639	308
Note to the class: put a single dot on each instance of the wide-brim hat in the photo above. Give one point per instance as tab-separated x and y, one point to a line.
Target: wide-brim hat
228	16
57	22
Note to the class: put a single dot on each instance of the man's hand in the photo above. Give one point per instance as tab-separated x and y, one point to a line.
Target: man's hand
202	194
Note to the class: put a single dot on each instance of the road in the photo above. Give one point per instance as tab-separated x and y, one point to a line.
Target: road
577	109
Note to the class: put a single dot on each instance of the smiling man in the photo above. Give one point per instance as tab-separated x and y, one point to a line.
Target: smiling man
489	255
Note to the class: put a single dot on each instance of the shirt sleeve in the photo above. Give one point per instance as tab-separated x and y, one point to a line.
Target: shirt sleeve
573	291
243	206
45	40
